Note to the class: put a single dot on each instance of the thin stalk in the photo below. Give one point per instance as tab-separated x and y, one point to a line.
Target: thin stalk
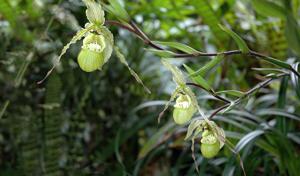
247	94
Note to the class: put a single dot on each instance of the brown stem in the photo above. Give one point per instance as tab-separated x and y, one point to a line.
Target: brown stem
211	92
249	92
136	30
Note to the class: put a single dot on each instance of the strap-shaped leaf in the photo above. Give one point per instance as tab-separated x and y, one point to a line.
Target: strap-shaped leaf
232	92
295	79
207	67
238	40
268	8
210	17
156	139
3	109
179	46
198	79
248	138
292	33
133	73
277	62
162	53
75	38
118	10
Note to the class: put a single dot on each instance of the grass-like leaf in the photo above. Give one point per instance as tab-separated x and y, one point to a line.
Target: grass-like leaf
198	79
156	139
232	92
238	40
268	8
162	53
207	67
179	46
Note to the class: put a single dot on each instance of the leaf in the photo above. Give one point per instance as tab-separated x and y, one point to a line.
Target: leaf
75	38
277	62
209	16
23	69
179	46
269	70
238	40
281	123
231	106
207	67
232	92
7	102
247	139
199	80
135	75
117	152
277	112
162	53
292	33
11	14
156	139
296	80
118	10
268	8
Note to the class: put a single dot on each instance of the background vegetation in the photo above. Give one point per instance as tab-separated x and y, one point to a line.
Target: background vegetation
103	123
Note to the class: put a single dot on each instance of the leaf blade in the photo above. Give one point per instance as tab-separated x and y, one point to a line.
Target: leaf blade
238	40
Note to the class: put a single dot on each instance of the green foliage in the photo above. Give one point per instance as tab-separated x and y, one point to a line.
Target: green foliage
103	123
239	41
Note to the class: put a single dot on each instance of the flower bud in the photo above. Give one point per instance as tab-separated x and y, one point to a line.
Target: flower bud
183	110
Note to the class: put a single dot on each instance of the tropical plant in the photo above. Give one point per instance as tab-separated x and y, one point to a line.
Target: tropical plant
236	99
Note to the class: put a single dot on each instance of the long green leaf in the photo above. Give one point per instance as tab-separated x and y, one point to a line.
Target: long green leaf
268	8
4	108
238	40
278	112
209	17
247	139
156	139
119	11
179	46
292	33
162	53
277	62
207	67
232	92
198	79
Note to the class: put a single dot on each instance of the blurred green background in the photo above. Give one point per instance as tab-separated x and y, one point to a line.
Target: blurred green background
104	123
